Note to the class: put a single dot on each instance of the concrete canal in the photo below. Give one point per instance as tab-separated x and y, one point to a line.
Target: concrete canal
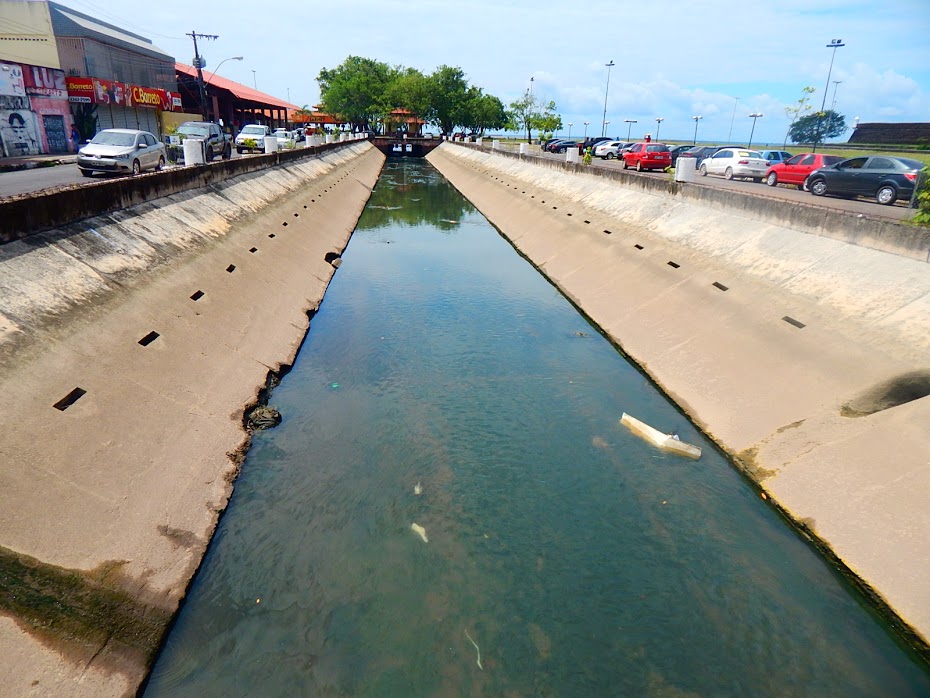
559	555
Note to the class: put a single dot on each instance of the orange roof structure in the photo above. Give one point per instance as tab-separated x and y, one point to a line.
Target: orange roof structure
239	90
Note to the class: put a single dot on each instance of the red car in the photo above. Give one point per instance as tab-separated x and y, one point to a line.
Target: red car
795	170
647	156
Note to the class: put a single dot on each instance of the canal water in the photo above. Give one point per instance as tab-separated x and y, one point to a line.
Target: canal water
565	556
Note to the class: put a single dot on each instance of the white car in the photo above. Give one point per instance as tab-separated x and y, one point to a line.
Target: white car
608	149
736	162
121	150
252	137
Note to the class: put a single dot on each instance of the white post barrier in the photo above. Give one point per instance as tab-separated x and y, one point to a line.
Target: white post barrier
271	144
479	141
330	138
685	170
342	138
571	155
495	145
524	149
193	151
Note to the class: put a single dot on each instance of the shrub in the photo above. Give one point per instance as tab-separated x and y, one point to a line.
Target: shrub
923	198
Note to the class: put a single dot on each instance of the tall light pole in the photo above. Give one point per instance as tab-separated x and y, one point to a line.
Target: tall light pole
231	58
659	120
254	80
696	119
834	44
606	124
570	124
629	127
606	90
732	119
586	129
531	85
753	116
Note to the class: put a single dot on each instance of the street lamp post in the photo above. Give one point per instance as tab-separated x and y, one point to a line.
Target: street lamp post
696	119
586	129
659	120
753	116
629	127
732	119
531	86
834	44
606	90
606	124
254	80
231	58
570	124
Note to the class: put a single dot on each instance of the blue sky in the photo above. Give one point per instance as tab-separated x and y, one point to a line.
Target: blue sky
674	58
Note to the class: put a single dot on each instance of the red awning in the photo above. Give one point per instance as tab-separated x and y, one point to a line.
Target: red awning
240	91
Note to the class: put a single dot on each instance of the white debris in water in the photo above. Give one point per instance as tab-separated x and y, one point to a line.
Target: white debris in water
420	531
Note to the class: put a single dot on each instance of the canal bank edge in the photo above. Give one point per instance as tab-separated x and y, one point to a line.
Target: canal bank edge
150	329
790	349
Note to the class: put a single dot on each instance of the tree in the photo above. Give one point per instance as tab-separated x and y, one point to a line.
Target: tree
410	90
798	109
817	127
528	113
355	91
487	112
448	92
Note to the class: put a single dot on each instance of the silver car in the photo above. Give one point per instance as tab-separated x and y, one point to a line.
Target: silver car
736	162
121	150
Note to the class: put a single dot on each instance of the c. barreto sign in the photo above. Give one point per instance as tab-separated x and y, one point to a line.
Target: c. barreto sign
97	91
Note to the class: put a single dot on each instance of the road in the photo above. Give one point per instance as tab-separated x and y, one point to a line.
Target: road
43	178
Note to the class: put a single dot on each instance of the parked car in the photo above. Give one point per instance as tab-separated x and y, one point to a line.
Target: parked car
699	153
216	141
676	150
884	177
608	149
736	162
284	138
796	169
592	142
553	145
647	156
774	156
253	133
562	146
121	150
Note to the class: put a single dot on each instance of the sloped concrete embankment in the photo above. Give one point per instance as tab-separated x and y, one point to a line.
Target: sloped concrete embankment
129	345
792	339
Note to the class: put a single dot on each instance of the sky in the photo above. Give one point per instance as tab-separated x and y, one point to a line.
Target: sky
674	59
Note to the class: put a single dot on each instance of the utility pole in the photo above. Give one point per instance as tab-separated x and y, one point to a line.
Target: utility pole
198	64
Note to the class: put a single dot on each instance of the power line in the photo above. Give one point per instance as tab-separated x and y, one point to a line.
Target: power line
94	8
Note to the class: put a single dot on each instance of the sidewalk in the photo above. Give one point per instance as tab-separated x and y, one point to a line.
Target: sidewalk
29	162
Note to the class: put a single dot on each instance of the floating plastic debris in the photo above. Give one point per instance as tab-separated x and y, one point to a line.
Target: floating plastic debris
418	489
477	649
669	442
420	531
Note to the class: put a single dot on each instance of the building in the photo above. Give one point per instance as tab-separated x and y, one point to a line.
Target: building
35	115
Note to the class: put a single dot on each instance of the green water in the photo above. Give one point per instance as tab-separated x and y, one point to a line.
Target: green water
581	561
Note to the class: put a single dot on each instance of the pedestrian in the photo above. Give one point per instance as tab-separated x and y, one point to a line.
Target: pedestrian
75	137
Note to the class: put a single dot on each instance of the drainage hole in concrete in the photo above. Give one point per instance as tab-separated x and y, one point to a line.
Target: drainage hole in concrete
271	235
792	321
638	247
673	265
149	338
607	232
721	286
568	214
296	215
197	295
69	399
588	222
284	224
231	268
305	206
253	250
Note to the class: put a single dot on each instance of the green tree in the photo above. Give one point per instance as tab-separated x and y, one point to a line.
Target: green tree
410	90
528	113
487	113
798	109
449	98
356	90
817	127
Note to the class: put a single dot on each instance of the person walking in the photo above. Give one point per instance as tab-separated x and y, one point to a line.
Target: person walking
75	137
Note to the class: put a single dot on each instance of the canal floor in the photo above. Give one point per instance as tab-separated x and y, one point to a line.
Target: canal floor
559	554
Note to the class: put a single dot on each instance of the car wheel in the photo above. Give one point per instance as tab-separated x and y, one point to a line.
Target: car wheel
136	167
561	150
609	156
639	165
728	174
161	163
623	163
772	179
86	173
703	170
227	154
886	195
818	187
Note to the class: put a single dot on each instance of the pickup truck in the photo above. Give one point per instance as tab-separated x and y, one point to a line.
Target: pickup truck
253	133
216	141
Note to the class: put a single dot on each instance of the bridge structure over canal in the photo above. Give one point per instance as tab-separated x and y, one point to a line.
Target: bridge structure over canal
393	146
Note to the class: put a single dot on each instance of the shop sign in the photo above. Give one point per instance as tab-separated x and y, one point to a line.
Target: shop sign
45	82
80	90
110	92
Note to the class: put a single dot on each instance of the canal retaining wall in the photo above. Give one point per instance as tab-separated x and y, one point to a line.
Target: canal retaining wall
130	344
798	340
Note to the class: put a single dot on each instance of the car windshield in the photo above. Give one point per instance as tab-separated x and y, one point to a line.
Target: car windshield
194	130
912	164
248	130
114	138
659	148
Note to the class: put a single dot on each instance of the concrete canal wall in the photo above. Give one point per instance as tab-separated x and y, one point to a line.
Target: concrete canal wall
130	344
798	339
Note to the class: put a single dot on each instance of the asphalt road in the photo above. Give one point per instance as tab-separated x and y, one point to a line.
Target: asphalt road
43	178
